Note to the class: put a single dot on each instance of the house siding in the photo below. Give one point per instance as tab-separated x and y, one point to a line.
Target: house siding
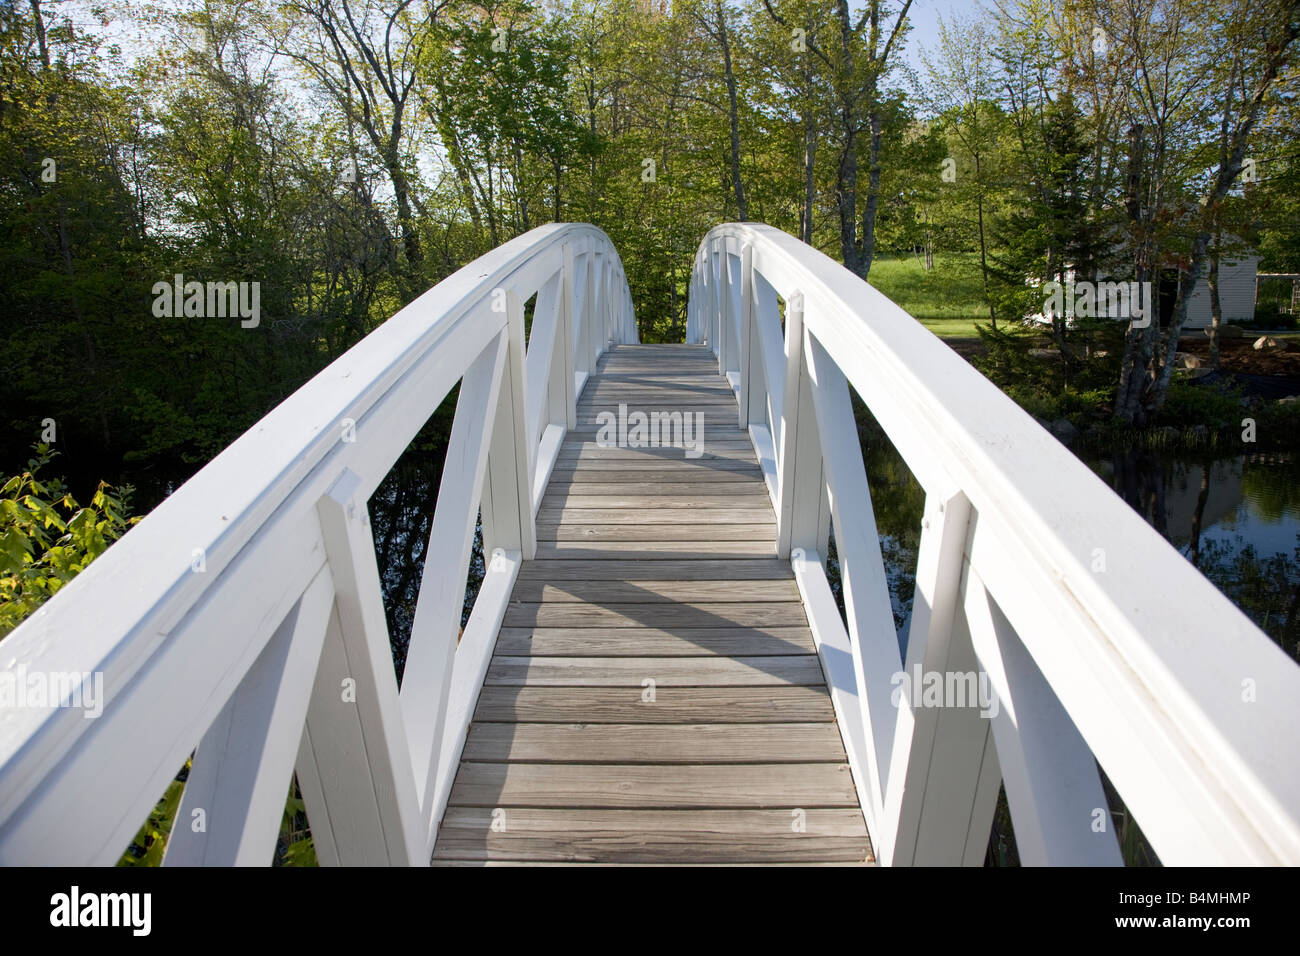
1236	293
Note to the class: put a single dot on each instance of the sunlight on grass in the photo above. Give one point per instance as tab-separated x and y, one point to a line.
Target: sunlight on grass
952	290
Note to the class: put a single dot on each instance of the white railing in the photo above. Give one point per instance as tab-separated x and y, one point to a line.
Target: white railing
244	616
1103	644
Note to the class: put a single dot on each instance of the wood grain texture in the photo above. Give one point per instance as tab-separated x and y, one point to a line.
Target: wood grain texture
653	642
715	671
654	592
654	696
616	568
651	836
630	786
568	614
672	705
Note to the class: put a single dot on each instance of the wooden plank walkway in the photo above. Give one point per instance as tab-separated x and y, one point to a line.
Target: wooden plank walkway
655	695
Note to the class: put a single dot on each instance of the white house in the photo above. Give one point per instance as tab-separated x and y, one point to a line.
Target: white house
1236	293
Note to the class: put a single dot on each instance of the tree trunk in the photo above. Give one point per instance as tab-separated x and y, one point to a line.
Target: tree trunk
1216	304
732	113
809	178
984	263
873	191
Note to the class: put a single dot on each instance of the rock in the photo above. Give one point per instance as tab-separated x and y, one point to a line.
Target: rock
1289	400
1229	332
1268	342
1064	430
1187	360
1045	353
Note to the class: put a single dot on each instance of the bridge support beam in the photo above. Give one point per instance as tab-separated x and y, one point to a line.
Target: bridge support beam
234	797
354	762
803	519
944	775
1054	792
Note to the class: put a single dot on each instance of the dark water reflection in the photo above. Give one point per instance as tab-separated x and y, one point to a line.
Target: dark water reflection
1237	519
401	516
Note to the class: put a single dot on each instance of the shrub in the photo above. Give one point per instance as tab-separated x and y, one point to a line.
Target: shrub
1187	405
47	539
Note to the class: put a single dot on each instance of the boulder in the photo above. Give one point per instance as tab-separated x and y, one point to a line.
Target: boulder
1064	430
1270	344
1187	360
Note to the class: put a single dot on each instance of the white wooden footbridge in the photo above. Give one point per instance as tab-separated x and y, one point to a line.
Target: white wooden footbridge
655	669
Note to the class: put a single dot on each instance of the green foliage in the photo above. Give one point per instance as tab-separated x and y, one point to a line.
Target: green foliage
1023	361
1189	405
46	538
150	844
295	847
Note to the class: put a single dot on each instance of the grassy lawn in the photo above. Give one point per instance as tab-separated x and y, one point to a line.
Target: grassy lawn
952	290
954	328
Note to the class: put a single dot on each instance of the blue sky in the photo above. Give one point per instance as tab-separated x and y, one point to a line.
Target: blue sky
924	17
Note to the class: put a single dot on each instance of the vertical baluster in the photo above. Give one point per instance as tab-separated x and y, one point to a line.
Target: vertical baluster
803	518
563	394
507	485
944	774
577	312
752	387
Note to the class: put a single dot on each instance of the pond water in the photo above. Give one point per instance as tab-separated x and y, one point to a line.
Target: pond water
1237	518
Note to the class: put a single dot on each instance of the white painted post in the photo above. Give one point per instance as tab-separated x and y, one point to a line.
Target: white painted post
235	794
753	380
717	305
563	394
943	778
804	516
542	358
579	264
354	763
591	311
507	500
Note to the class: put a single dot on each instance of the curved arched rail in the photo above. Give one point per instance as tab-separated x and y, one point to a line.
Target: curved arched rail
244	615
1104	645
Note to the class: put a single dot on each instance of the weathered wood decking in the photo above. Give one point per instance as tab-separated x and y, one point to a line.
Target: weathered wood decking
655	695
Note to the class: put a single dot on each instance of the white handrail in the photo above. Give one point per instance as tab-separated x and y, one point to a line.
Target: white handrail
244	614
1104	645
